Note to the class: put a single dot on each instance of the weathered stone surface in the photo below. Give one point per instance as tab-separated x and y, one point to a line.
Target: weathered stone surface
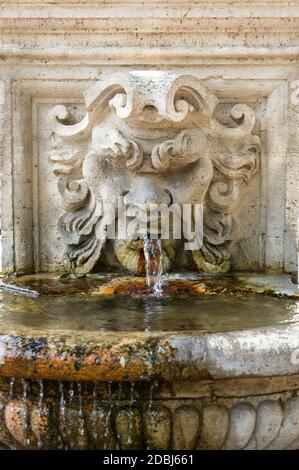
157	423
72	427
213	162
100	428
5	436
129	428
215	425
58	420
247	353
41	425
289	430
196	44
186	427
17	419
223	54
241	426
268	423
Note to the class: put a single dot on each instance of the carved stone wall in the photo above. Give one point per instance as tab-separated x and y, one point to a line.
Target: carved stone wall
241	53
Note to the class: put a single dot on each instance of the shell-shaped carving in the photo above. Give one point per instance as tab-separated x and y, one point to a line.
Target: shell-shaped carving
40	421
157	422
251	444
17	419
241	426
215	424
100	428
268	422
72	425
186	426
52	419
129	428
6	437
289	430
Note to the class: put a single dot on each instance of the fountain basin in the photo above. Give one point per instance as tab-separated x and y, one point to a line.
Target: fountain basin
172	378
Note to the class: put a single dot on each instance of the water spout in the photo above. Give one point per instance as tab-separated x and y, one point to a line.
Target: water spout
153	256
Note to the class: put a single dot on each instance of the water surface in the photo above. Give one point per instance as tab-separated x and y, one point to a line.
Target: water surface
70	306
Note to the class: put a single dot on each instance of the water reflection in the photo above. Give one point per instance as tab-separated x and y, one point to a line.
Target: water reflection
175	312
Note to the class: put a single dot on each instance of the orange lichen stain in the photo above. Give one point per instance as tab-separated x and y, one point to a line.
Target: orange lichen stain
202	290
121	286
137	286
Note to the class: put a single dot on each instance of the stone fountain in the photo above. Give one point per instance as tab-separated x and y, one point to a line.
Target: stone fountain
189	341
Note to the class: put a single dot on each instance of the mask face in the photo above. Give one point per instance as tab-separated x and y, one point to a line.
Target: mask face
148	147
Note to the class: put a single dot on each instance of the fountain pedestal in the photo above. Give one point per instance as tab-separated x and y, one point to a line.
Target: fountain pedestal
231	389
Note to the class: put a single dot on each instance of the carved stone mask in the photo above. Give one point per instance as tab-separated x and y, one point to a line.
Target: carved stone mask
151	138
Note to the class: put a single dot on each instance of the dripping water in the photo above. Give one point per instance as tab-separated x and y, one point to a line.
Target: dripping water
152	388
25	413
120	391
62	410
10	400
153	255
81	416
94	408
71	392
11	393
131	414
108	415
40	411
153	385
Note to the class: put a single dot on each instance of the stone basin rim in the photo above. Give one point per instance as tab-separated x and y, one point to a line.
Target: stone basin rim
144	355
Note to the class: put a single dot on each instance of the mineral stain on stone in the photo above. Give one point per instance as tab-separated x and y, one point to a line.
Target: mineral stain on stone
138	287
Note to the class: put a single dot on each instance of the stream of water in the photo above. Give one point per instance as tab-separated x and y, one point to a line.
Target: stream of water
153	256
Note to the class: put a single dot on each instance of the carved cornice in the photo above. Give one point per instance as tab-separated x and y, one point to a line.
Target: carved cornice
173	31
153	16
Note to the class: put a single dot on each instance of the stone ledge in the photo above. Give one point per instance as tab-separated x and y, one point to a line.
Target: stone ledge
133	30
252	353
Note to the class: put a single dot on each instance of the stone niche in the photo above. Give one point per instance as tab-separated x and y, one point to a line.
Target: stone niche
242	64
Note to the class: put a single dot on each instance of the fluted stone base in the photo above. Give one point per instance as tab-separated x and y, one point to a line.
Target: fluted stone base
202	415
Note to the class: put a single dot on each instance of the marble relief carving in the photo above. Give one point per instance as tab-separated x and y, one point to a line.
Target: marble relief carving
151	137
